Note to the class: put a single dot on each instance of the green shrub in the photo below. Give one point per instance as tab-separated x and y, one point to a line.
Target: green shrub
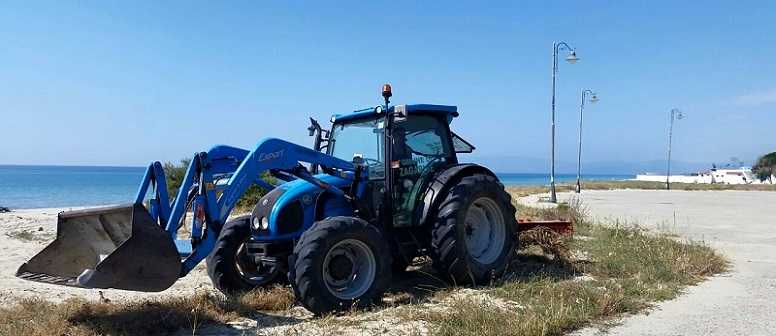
176	172
765	166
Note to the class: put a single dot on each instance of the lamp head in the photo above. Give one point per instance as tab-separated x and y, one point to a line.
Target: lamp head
572	57
387	91
677	113
594	98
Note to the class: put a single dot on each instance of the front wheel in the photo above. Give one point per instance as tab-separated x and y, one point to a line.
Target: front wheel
229	266
474	234
340	263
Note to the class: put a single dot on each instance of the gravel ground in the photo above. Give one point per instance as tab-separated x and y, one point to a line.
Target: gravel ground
740	224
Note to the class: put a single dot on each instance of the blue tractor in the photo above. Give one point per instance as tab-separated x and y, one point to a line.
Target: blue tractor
381	187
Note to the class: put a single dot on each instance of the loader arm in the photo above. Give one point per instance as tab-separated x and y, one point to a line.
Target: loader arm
269	155
245	168
136	248
274	154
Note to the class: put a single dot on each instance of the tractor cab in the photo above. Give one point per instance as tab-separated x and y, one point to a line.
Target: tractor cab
410	142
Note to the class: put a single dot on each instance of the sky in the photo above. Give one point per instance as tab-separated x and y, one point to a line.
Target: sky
127	83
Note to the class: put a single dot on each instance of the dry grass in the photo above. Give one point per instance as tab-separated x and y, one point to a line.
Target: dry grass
626	270
573	211
546	307
77	317
550	243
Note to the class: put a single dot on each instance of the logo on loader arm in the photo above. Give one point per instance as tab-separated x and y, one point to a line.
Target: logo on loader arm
271	155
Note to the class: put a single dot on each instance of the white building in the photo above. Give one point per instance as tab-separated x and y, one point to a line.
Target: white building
743	175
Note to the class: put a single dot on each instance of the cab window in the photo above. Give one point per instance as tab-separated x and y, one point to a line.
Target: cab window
422	139
460	145
362	138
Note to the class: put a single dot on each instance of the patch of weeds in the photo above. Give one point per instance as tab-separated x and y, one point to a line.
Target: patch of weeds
472	317
78	317
628	251
629	269
573	211
550	242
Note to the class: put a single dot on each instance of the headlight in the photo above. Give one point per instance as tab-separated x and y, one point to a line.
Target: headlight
256	223
260	223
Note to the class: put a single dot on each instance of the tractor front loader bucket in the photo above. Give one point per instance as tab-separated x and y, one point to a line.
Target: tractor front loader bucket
110	247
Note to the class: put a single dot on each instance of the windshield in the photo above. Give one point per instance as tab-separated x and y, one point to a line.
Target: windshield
364	139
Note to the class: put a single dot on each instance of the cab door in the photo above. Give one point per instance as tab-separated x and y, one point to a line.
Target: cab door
420	145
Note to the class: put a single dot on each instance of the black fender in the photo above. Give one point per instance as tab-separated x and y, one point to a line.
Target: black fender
440	183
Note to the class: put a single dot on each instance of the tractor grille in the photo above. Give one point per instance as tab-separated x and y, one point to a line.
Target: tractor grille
265	204
290	218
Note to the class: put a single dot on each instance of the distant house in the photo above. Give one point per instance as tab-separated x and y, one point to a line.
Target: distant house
742	175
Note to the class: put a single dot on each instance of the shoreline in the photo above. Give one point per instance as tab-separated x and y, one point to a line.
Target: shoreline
76	186
527	188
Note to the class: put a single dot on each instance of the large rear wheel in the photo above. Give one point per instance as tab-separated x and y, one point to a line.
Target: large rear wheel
474	235
340	263
230	267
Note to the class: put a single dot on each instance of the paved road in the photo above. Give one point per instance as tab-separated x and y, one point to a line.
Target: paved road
740	224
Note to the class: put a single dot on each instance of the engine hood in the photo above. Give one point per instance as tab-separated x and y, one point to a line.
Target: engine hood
290	207
302	186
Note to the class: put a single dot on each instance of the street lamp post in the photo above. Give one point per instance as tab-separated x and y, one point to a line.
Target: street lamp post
571	58
593	99
678	115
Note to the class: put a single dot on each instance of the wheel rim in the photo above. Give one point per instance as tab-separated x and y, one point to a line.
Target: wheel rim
484	230
349	269
254	274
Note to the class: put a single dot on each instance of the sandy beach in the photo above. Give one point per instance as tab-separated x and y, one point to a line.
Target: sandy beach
24	232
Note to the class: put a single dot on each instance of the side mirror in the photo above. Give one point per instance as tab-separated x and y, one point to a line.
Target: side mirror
321	140
321	135
314	126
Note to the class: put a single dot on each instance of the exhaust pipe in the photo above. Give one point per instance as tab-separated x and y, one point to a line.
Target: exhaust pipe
118	247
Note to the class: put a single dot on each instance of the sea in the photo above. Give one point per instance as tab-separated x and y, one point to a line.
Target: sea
27	187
